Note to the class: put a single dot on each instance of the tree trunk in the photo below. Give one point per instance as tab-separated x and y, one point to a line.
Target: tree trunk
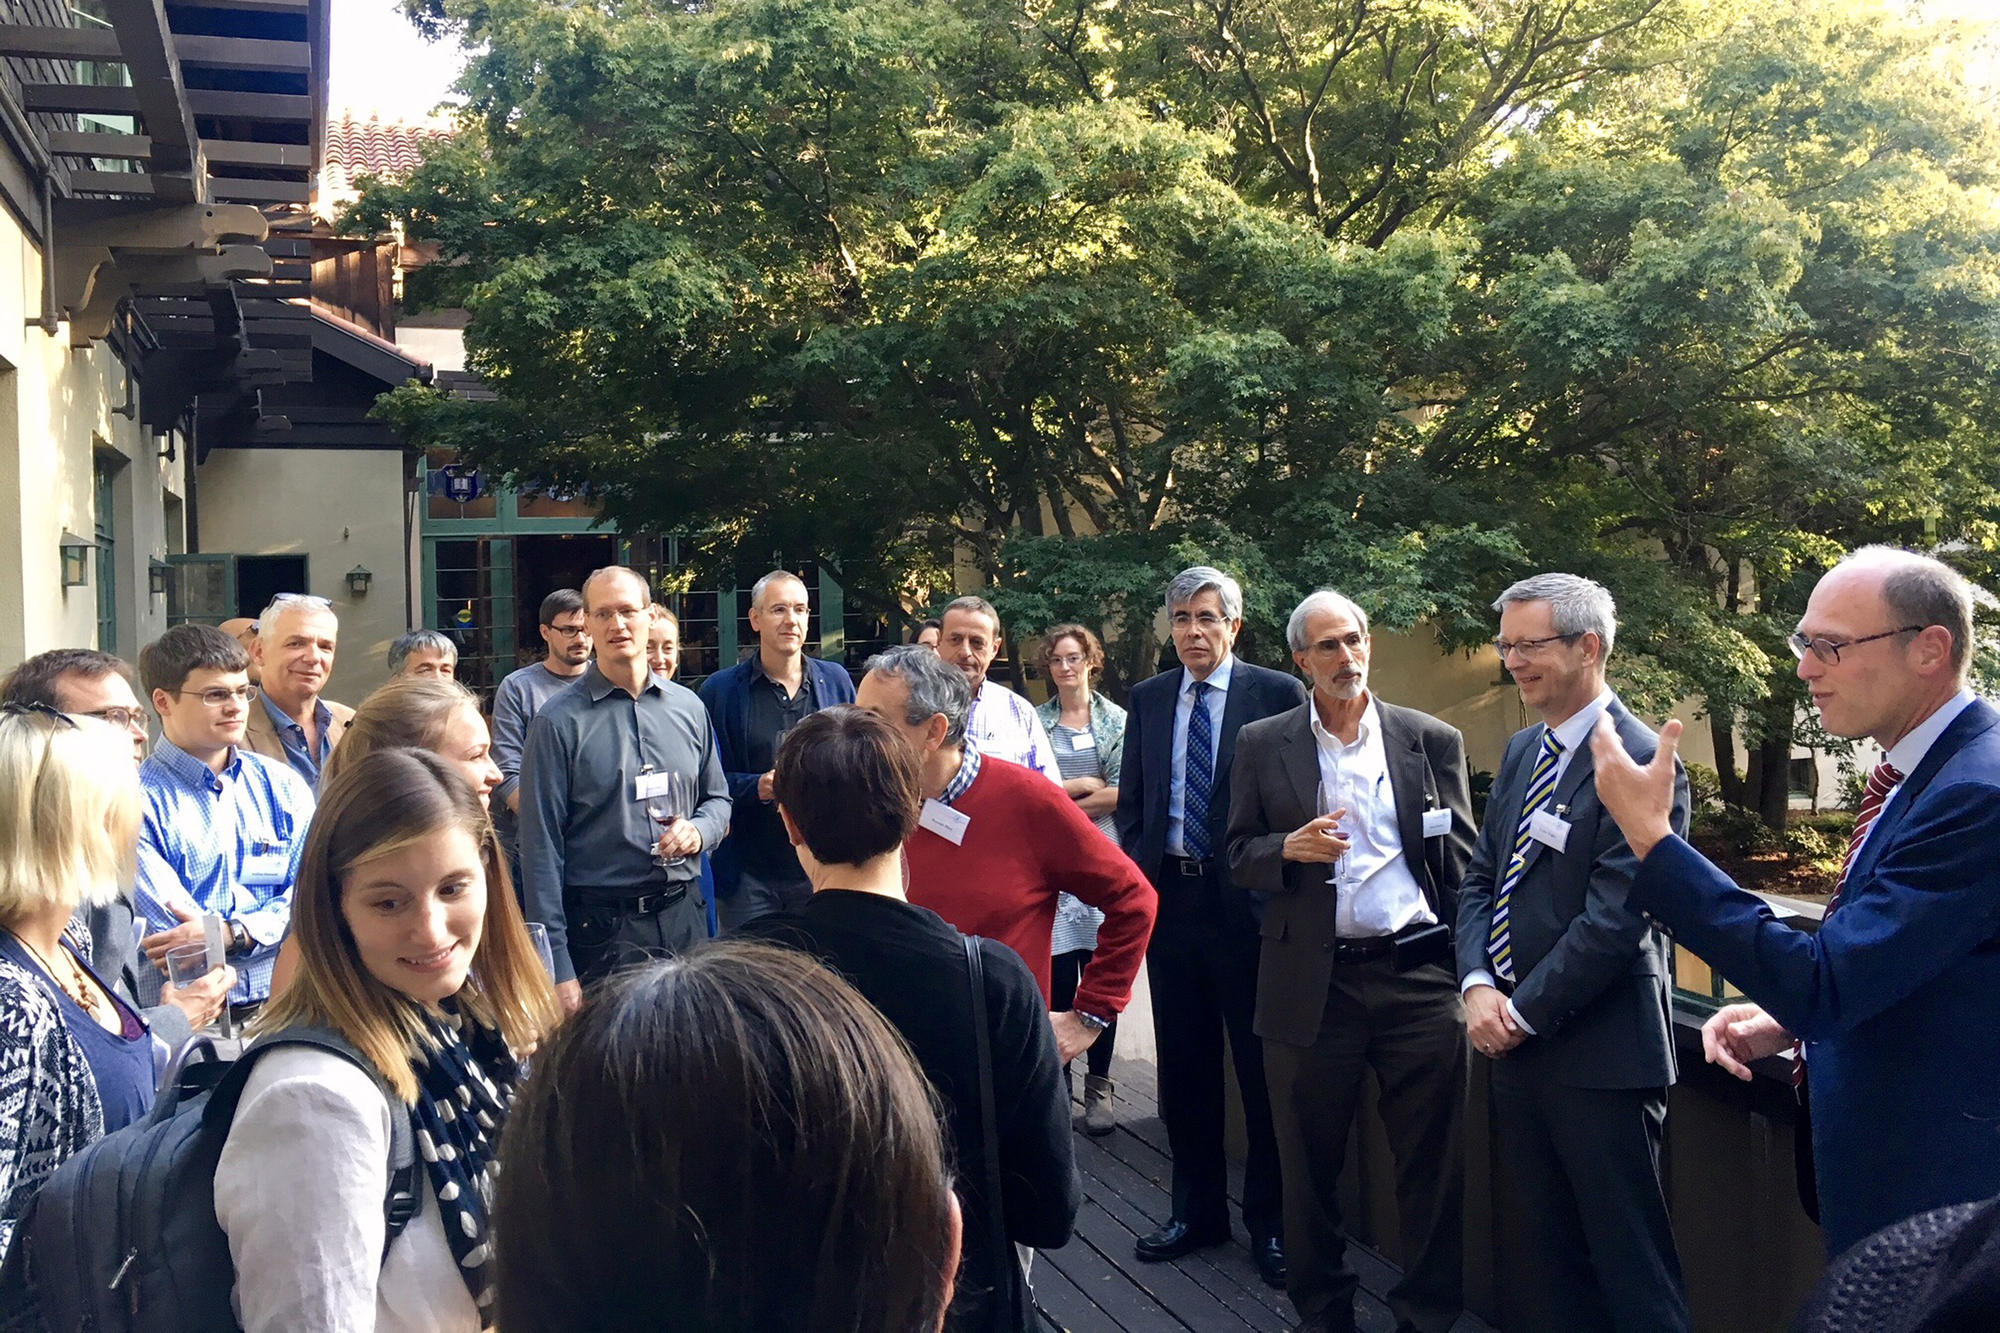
1722	734
1771	767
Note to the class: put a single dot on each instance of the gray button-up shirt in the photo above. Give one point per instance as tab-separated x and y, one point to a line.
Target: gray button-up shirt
520	696
581	826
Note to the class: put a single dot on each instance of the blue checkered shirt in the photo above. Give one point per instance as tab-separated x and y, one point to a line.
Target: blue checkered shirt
199	828
968	769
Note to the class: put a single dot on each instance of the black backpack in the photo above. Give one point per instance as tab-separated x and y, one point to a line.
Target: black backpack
122	1237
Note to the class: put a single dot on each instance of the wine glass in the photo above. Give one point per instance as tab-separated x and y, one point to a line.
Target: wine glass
1329	802
666	806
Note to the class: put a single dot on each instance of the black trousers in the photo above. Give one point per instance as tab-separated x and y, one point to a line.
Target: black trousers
1065	970
1203	973
1410	1029
605	936
1594	1249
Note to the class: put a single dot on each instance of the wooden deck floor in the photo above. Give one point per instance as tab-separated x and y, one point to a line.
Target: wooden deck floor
1094	1285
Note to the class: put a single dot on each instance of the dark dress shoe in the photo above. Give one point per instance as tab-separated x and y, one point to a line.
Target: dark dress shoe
1270	1259
1177	1240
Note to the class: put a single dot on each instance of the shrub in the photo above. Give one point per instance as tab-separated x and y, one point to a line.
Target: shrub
1704	787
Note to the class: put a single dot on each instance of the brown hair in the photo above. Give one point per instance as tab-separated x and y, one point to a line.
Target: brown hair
851	784
1093	649
732	1140
376	805
408	713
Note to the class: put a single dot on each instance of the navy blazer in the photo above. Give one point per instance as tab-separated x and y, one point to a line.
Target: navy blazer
727	697
1147	773
1897	997
1592	973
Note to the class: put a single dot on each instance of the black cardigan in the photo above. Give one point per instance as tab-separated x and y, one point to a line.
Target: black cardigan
910	965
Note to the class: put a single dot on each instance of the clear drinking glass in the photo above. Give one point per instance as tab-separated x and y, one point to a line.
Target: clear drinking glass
187	964
667	806
1329	801
538	935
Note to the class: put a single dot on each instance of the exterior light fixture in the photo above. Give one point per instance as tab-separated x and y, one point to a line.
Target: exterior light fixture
358	579
156	577
75	560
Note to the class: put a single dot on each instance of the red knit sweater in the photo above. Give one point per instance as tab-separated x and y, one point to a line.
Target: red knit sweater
1025	842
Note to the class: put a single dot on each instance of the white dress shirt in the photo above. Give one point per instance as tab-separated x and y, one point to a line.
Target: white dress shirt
1909	752
1377	894
1003	725
1216	701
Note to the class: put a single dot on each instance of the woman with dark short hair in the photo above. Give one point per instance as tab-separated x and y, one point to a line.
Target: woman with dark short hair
729	1142
847	787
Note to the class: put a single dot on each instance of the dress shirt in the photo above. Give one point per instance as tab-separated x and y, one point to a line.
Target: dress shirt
200	827
756	828
306	762
1217	701
968	769
1908	752
1378	895
1572	732
520	696
1003	724
582	826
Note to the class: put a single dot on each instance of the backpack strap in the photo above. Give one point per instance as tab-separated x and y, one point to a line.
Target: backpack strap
1006	1268
405	1196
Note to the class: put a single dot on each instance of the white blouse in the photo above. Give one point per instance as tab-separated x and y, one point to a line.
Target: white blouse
299	1192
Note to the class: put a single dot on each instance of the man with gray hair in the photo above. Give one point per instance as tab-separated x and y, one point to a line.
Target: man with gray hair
423	652
1353	818
1173	813
995	844
1566	984
1897	995
293	657
1002	723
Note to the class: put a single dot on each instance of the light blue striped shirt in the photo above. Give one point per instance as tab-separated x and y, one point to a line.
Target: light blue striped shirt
201	828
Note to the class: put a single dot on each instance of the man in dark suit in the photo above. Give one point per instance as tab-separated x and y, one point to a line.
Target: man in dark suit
1173	809
1897	996
1566	988
1353	818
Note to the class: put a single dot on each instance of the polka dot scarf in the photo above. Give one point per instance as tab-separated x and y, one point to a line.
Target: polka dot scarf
463	1091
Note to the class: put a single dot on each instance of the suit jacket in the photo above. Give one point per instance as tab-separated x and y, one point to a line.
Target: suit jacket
1146	772
1274	789
726	694
1592	972
260	737
1897	997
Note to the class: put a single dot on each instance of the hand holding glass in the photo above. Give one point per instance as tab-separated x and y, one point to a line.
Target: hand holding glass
187	964
674	802
1328	806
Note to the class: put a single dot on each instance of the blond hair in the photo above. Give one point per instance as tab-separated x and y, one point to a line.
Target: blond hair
408	712
69	812
375	806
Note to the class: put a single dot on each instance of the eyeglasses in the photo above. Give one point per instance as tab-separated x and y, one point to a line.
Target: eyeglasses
1351	643
37	709
1207	620
1828	650
121	717
1067	660
569	631
302	599
1529	647
219	697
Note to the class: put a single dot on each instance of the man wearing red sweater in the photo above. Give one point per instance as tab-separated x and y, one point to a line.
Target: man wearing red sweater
997	842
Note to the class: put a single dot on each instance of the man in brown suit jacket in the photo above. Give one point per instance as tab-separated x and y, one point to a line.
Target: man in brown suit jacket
1351	820
296	637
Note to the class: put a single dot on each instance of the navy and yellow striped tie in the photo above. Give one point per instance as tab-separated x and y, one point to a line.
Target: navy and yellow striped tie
1541	783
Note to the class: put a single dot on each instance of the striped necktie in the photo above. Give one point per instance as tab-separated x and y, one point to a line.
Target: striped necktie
1884	778
1541	783
1199	775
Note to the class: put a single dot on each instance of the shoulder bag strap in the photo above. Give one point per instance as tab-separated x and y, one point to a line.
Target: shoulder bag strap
1005	1266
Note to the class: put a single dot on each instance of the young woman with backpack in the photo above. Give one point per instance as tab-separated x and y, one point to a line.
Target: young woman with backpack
411	951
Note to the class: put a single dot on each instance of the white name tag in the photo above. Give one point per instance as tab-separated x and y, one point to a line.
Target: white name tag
944	821
1437	823
1082	740
1544	827
262	869
648	785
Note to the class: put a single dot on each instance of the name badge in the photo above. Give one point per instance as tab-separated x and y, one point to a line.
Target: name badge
1437	823
1082	740
648	785
266	866
1545	828
944	821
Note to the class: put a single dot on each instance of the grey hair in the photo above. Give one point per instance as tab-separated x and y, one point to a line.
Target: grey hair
936	686
1577	605
1922	590
1325	599
1195	580
419	640
267	620
775	576
976	605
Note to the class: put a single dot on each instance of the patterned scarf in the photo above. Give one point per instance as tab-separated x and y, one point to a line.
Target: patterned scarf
464	1088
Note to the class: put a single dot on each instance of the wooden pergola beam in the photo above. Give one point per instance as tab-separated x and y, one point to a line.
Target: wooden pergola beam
147	47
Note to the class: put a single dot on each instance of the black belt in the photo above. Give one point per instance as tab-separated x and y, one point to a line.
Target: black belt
1364	950
1189	867
645	904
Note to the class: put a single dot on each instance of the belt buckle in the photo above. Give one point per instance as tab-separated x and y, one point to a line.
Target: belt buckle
1191	867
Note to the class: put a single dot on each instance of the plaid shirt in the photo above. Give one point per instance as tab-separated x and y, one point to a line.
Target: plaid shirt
200	827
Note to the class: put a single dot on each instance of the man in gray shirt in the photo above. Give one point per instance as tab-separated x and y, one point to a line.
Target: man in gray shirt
611	859
521	696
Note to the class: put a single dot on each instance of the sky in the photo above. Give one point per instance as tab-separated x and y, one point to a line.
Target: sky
381	64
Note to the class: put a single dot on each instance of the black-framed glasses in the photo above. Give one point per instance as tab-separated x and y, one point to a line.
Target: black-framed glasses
1828	650
37	709
1529	647
569	631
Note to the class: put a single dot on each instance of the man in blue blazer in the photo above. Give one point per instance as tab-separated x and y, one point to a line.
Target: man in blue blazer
1897	997
753	704
1173	820
1566	989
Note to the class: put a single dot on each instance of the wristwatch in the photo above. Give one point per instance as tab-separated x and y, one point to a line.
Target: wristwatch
239	938
1091	1021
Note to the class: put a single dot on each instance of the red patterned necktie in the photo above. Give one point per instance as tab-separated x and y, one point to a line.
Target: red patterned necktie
1883	779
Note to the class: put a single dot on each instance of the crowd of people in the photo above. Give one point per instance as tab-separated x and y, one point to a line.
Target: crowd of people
493	935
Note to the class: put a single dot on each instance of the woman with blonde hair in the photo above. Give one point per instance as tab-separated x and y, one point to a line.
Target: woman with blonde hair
424	713
406	951
75	1060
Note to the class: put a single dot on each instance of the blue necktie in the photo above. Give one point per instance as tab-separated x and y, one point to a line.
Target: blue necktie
1541	782
1200	775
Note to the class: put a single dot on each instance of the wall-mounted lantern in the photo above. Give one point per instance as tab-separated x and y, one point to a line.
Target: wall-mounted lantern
358	579
75	560
156	577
